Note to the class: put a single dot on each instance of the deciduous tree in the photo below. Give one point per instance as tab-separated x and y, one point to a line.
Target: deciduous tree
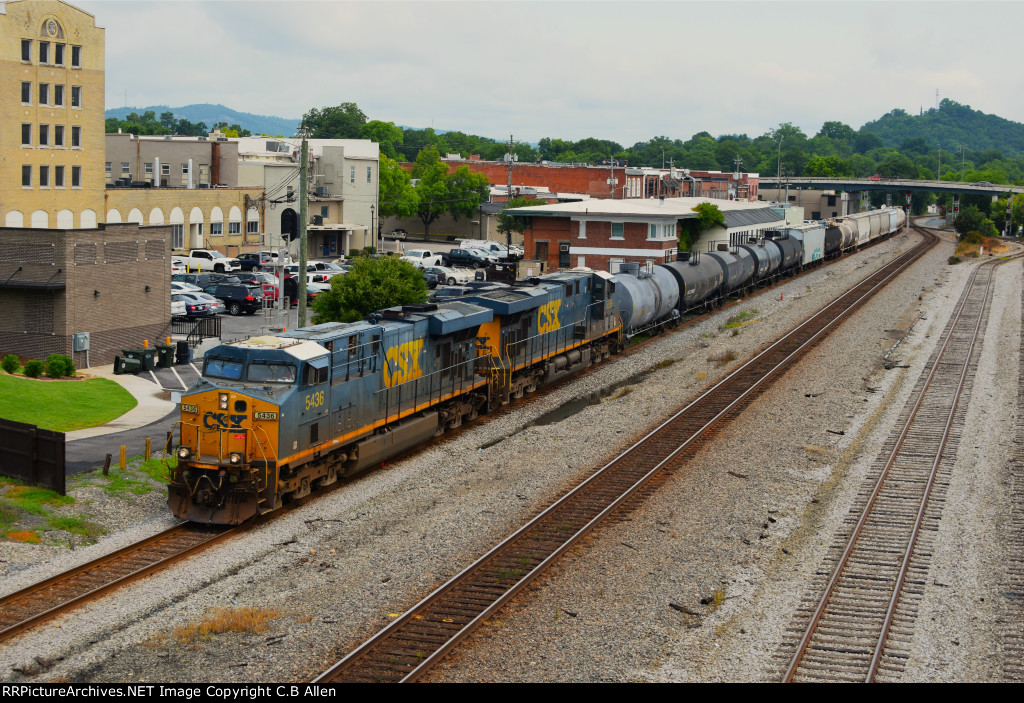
371	285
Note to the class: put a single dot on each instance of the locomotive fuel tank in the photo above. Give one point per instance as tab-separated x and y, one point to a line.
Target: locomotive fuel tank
699	279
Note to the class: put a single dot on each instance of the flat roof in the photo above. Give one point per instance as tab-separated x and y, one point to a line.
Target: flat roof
679	208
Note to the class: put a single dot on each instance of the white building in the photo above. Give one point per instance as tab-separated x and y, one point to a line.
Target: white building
343	190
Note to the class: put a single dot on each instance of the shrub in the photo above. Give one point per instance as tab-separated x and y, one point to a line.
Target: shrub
69	365
954	260
55	366
10	363
34	368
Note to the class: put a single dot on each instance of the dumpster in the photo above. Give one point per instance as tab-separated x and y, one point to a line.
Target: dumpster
146	357
184	354
164	356
124	365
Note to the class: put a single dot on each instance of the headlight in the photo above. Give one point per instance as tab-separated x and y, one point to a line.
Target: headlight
235	458
184	453
223	401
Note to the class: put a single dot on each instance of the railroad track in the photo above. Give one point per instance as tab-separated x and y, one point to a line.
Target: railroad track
856	622
425	633
46	599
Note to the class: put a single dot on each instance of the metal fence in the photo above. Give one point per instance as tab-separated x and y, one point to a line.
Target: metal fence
32	454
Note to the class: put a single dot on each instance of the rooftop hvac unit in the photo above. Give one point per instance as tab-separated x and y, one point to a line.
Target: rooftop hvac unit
320	192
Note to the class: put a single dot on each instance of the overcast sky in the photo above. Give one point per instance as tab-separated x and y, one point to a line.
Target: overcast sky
625	71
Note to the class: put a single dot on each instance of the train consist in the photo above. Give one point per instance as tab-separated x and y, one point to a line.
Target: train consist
273	417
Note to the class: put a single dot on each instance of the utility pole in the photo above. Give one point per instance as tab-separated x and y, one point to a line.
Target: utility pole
778	181
510	158
303	197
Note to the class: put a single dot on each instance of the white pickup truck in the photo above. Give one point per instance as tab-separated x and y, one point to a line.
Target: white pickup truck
422	258
207	260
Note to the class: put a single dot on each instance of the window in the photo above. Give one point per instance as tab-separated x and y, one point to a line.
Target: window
541	251
184	168
216	229
44	134
44	93
234	228
351	174
44	176
76	96
617	230
26	134
149	172
76	136
58	95
177	236
668	231
369	172
252	227
26	93
58	54
44	52
76	176
58	176
76	57
653	232
583	230
26	50
165	169
126	168
581	261
26	176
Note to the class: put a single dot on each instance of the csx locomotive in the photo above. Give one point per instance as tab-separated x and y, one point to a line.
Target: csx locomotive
273	417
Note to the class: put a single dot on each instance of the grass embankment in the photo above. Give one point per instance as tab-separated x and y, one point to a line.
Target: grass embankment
63	405
992	246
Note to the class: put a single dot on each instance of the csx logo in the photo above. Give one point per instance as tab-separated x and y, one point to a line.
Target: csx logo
403	363
212	420
547	316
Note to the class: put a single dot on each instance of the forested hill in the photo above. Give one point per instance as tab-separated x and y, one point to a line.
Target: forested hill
212	114
951	125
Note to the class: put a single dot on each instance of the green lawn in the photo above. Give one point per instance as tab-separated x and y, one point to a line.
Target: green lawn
62	405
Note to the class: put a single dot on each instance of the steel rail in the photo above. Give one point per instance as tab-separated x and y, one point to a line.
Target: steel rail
42	600
802	647
850	300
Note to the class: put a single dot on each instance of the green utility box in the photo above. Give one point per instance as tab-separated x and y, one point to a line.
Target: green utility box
124	365
146	357
164	356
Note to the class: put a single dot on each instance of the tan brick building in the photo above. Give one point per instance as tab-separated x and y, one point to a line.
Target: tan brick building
111	283
51	115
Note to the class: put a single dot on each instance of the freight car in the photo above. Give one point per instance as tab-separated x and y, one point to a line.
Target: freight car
273	417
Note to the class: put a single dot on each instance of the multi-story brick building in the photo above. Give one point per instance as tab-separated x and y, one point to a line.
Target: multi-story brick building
615	180
51	115
604	233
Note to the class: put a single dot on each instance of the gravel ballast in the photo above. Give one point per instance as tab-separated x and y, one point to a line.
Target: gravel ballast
738	528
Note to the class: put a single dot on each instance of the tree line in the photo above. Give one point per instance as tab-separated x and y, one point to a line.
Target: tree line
149	124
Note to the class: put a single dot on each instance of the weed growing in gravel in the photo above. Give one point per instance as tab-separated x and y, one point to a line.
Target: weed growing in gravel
701	375
740	320
665	363
618	394
723	358
222	620
32	499
75	525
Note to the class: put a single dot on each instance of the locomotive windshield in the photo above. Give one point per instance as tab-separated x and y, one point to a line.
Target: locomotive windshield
223	368
271	373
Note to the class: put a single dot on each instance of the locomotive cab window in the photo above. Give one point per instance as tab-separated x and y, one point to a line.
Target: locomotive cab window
271	373
223	368
315	372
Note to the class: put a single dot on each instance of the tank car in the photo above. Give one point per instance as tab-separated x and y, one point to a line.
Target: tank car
699	279
644	297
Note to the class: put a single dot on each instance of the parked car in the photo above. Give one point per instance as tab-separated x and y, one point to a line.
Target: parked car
238	298
205	279
469	258
183	287
264	281
178	307
291	290
433	277
876	177
448	293
449	276
495	249
194	305
315	273
398	233
211	260
177	267
274	259
251	261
